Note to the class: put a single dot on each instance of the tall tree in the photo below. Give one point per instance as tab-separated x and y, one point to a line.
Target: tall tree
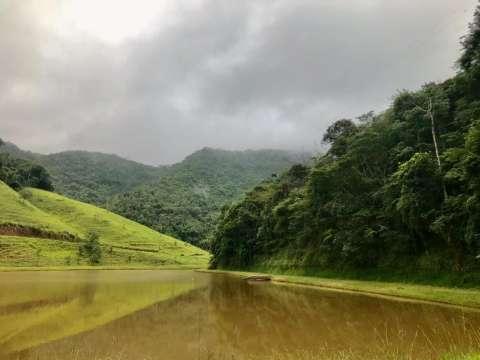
471	44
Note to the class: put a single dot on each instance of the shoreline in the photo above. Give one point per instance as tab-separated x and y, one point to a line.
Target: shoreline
438	295
105	267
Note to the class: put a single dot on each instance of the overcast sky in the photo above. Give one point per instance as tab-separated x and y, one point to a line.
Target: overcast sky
154	80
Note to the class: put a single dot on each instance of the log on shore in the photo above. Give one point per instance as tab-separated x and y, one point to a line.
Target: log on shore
258	278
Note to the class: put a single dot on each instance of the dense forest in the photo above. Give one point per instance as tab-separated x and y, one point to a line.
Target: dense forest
186	201
19	173
396	190
89	176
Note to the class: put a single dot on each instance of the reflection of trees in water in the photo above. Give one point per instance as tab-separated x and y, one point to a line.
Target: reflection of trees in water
234	320
87	293
257	318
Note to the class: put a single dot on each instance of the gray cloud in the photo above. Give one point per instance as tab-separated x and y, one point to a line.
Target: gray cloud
231	74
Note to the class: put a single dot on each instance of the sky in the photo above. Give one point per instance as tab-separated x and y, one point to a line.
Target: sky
155	80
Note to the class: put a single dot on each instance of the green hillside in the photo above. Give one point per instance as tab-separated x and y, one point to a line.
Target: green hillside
40	228
182	200
187	200
89	176
18	215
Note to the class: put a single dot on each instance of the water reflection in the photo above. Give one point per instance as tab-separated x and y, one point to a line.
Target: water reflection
185	315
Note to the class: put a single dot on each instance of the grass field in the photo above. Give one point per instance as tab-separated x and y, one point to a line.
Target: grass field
33	224
15	210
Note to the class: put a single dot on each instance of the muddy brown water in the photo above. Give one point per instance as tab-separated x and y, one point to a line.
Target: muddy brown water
177	315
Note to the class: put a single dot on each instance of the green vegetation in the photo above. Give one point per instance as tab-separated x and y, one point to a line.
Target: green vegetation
91	249
17	215
19	251
53	231
18	173
187	200
182	200
88	176
397	192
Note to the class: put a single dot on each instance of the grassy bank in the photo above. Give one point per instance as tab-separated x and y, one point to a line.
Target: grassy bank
469	297
43	229
100	267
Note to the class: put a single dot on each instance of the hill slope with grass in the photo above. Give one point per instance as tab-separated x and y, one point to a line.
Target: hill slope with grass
18	216
40	228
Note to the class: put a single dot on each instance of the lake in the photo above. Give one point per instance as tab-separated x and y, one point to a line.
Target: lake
136	315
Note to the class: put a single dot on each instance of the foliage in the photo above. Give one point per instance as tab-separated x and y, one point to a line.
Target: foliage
337	134
56	226
471	44
91	249
16	214
88	176
117	234
381	198
19	173
186	201
182	200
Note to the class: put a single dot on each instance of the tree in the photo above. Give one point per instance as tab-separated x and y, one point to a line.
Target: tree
367	117
423	112
339	128
91	249
337	135
19	173
413	193
471	44
471	165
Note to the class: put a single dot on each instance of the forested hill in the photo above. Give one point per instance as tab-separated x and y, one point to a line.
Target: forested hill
399	190
187	200
182	200
89	176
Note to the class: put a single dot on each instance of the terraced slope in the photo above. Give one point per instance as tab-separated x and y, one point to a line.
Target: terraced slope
39	228
116	232
18	216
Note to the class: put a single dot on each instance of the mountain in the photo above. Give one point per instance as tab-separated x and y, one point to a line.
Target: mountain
89	176
186	200
182	200
41	228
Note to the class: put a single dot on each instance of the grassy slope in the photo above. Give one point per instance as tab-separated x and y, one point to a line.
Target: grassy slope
452	296
120	237
15	210
125	243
